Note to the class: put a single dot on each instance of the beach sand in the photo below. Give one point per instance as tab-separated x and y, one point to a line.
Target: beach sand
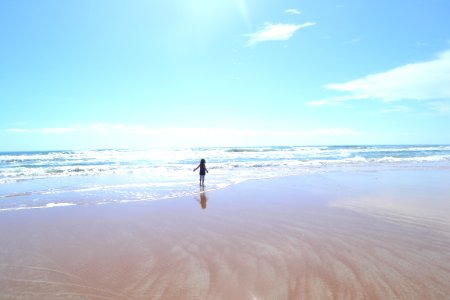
337	235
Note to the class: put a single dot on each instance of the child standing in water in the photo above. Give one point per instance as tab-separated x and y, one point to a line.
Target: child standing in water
203	169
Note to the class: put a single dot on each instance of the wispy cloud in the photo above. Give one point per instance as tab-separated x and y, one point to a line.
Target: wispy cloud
42	130
441	107
126	136
352	41
275	32
396	109
422	81
174	131
292	11
422	44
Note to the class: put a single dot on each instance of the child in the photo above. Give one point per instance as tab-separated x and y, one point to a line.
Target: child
203	168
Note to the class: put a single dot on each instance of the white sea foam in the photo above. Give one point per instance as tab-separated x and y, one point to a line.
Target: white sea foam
49	205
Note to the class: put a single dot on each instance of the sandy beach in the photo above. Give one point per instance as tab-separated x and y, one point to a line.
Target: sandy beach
337	235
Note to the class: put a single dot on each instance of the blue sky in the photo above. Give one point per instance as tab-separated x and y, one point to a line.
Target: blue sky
119	74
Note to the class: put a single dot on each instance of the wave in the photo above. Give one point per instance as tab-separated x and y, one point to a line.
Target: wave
156	163
66	178
48	205
9	175
243	150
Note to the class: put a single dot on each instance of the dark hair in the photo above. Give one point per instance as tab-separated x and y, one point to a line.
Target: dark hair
202	161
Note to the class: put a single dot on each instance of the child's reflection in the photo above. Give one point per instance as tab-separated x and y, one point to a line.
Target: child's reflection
203	198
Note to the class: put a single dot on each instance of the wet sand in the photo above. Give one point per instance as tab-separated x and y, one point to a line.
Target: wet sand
332	236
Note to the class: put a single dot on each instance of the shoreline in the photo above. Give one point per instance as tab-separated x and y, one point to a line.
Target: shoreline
283	238
42	178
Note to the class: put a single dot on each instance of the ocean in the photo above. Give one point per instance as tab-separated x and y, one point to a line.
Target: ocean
46	179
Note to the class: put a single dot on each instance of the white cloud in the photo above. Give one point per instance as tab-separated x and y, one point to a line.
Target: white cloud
123	136
334	101
423	81
174	131
292	11
275	32
441	107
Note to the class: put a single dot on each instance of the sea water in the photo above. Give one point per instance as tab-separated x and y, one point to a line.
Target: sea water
44	179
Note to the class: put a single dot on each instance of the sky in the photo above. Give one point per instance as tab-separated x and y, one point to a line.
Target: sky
84	74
